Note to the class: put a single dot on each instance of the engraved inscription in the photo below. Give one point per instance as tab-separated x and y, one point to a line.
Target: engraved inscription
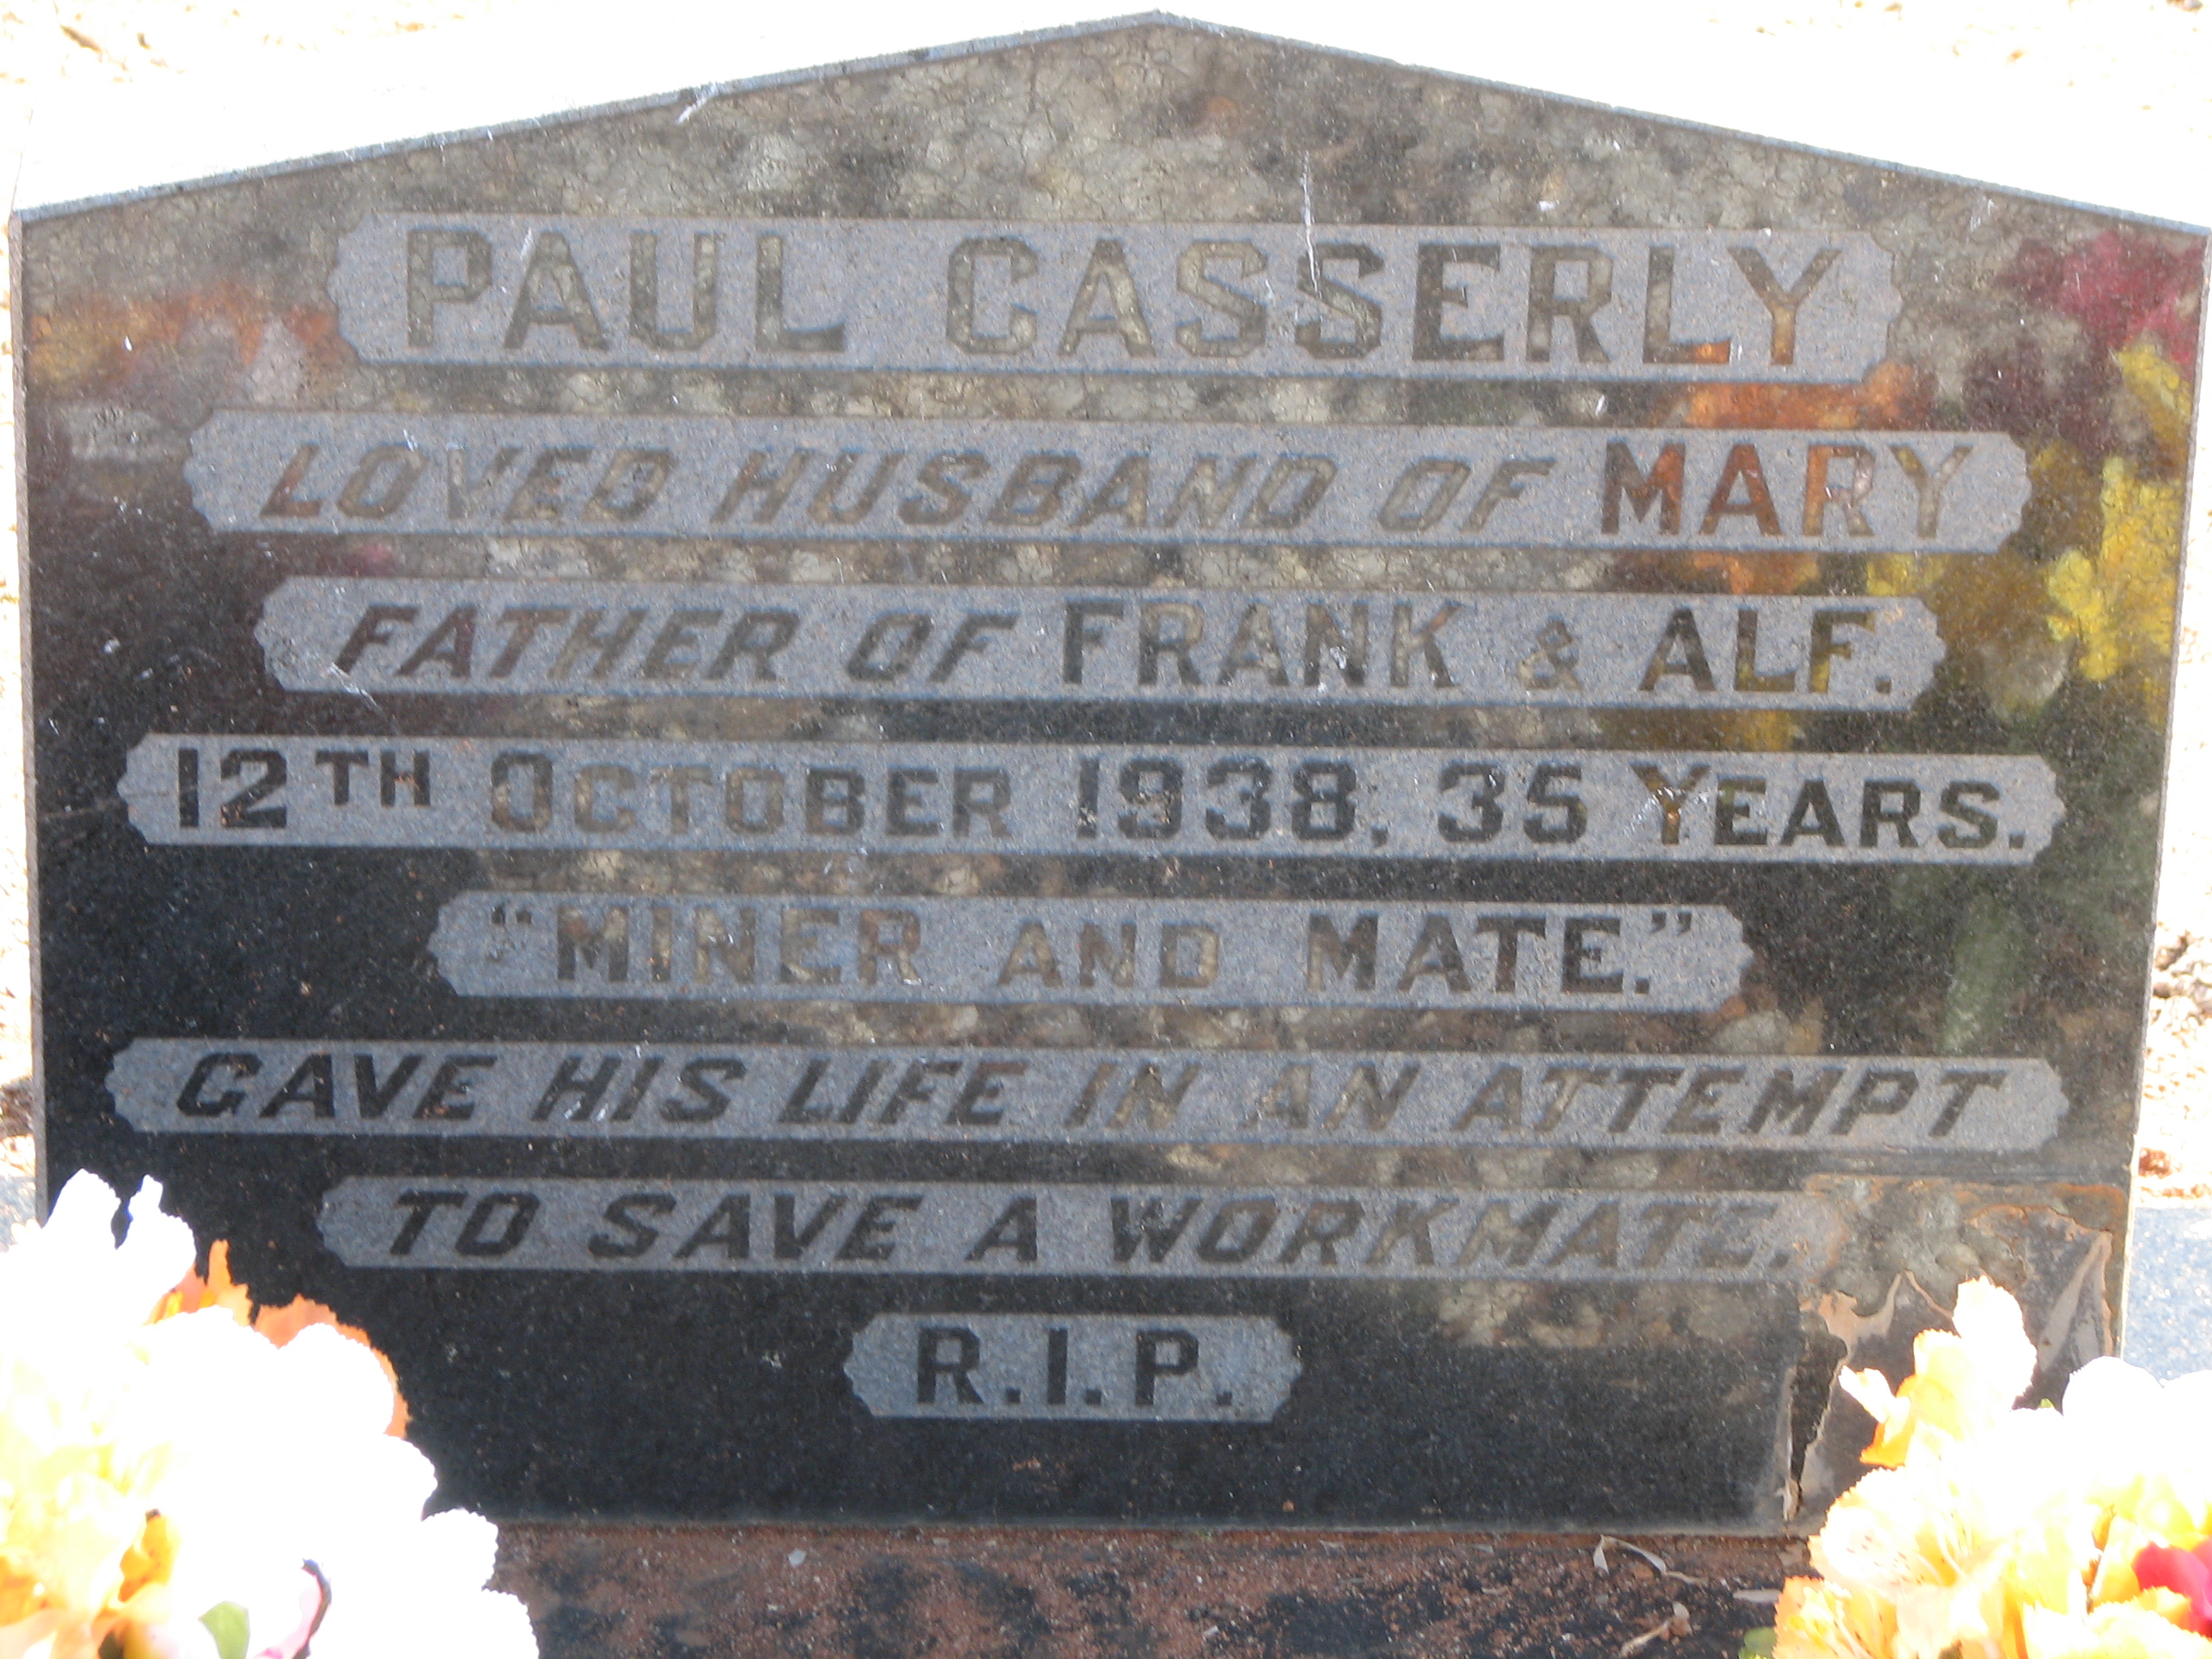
390	634
1220	952
1094	1230
1083	1368
806	479
951	1096
1005	799
1240	299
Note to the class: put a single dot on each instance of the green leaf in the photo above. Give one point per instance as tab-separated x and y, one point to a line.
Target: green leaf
225	1622
1757	1643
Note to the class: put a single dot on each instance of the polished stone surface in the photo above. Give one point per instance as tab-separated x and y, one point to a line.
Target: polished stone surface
1140	777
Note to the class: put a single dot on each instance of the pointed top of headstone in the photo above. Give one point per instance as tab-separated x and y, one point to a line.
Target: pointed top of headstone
489	79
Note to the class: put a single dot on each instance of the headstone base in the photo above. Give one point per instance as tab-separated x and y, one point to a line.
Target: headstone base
610	1592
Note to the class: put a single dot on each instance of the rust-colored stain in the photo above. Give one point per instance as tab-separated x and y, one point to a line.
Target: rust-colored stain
613	1592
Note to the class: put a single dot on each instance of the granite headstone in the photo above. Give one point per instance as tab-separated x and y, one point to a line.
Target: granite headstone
1137	776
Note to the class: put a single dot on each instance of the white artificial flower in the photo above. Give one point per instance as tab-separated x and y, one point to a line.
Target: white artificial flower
151	1472
1991	1533
1961	1383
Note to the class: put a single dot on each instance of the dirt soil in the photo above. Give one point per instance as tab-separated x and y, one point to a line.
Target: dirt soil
813	1593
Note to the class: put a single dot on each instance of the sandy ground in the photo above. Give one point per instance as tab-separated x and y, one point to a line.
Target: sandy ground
2126	77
